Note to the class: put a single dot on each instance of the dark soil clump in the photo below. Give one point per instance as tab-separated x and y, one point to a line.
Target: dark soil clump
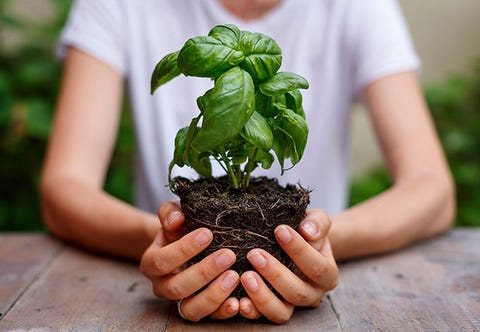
242	219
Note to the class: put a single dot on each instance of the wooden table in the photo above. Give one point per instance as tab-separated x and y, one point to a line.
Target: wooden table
46	285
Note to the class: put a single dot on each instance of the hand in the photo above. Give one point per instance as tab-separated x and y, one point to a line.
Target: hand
162	263
312	255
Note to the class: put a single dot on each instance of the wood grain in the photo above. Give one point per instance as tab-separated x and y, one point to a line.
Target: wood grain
22	258
84	292
434	286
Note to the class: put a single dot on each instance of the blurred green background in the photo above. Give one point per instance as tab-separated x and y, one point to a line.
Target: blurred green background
29	81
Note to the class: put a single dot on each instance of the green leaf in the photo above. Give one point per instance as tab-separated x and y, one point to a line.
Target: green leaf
245	44
190	135
295	127
293	100
283	82
200	162
264	59
258	132
227	34
206	56
202	101
263	104
180	139
281	147
165	70
264	158
230	104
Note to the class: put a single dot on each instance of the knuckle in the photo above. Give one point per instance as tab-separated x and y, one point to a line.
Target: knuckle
298	250
272	275
333	284
317	302
156	290
212	298
282	317
206	273
185	250
189	316
300	297
173	291
319	271
160	265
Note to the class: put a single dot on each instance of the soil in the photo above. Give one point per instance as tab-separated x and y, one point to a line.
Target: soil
242	219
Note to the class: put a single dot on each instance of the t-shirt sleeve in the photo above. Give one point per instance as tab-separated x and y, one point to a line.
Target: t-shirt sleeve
380	41
95	27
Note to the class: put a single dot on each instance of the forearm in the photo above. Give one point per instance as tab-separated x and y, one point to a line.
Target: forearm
91	218
411	210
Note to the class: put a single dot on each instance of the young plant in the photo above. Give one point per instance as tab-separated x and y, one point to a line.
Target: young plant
251	109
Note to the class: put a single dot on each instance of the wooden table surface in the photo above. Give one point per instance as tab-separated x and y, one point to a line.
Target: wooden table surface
46	285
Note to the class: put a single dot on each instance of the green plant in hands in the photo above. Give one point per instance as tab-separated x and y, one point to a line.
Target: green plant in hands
251	110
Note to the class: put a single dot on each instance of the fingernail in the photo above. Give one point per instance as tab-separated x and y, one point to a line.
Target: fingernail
202	239
309	227
173	216
229	281
225	259
283	234
257	259
251	283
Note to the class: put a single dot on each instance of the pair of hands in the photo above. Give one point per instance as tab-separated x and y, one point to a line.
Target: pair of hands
309	248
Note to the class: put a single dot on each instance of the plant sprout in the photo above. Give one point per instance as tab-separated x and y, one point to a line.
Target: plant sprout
251	110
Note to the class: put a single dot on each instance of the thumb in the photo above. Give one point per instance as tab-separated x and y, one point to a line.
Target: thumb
315	227
171	216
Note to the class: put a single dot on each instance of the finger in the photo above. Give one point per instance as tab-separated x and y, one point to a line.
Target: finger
227	309
321	270
171	216
194	278
292	288
248	310
315	227
265	301
208	301
158	261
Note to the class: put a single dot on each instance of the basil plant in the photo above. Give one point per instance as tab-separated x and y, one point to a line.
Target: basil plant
251	112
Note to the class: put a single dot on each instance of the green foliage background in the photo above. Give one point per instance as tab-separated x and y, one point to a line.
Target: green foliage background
29	81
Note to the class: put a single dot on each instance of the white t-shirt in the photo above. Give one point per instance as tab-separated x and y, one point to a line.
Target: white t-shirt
338	45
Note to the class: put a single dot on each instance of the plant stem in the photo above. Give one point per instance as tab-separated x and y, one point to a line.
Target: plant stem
249	167
230	171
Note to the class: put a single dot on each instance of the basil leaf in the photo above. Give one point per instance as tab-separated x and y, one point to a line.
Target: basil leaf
200	162
165	70
295	127
202	101
245	44
229	106
206	56
263	104
293	100
239	154
227	34
281	147
189	136
264	158
264	58
180	139
283	82
258	132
